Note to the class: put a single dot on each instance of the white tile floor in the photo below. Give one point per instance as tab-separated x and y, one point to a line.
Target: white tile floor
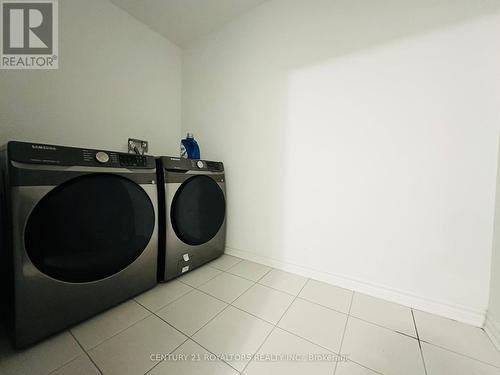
257	320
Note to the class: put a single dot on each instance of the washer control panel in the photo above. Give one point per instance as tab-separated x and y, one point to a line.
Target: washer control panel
102	157
35	153
131	160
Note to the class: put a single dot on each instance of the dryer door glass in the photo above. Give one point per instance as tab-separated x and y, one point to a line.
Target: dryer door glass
89	228
198	210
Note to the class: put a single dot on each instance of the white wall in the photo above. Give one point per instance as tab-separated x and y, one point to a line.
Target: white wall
116	79
492	325
360	141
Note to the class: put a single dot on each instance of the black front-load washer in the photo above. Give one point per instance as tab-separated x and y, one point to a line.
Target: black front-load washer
79	234
192	214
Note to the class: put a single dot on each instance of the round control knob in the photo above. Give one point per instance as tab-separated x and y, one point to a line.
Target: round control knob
102	157
199	164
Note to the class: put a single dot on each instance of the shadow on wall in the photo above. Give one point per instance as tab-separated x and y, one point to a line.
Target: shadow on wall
403	161
352	108
306	33
407	183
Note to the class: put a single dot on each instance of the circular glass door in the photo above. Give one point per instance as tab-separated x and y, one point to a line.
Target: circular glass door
198	210
89	228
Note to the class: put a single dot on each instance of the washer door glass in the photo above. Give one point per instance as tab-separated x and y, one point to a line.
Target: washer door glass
198	210
89	228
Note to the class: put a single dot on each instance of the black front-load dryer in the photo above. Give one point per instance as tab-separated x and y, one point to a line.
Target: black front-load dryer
192	214
80	234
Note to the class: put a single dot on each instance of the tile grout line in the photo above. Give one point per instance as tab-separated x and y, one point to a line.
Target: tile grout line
215	316
190	337
295	298
242	277
211	319
274	326
327	307
270	269
338	311
489	337
443	348
221	300
349	315
343	333
74	359
326	349
154	313
159	317
331	309
168	303
308	340
239	308
460	354
209	351
115	334
324	306
279	290
86	353
231	304
238	262
173	350
383	327
252	314
341	312
123	330
246	278
257	350
415	324
179	278
178	330
65	364
418	340
255	281
265	321
251	281
234	265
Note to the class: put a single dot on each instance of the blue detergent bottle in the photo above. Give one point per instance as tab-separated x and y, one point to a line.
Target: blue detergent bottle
190	148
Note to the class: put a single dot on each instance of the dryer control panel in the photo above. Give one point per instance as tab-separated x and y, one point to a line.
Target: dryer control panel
180	164
36	153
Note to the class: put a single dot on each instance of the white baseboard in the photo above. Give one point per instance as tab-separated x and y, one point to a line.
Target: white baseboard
492	329
451	311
